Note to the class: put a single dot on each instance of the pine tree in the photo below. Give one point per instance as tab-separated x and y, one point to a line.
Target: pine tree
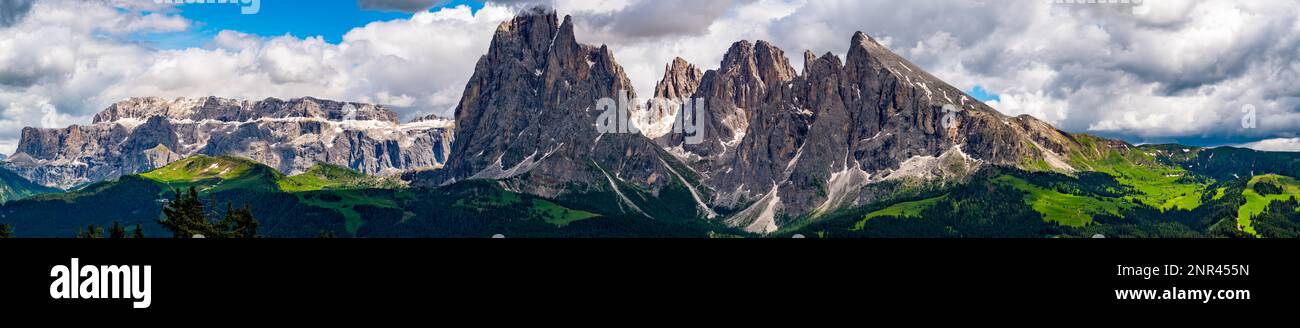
116	231
138	233
186	217
90	232
239	223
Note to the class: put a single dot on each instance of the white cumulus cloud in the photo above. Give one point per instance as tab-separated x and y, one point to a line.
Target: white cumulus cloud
66	60
1175	70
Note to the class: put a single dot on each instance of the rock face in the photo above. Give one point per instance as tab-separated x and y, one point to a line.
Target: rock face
680	81
141	134
781	147
528	119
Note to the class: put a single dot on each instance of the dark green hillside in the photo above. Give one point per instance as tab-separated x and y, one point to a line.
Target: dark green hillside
480	208
330	200
14	187
130	200
138	199
1156	191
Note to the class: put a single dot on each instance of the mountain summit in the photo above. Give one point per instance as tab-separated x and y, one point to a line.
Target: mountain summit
528	117
779	144
140	134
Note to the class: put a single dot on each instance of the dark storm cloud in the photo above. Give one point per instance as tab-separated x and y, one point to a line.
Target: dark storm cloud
1186	69
652	19
1178	69
11	11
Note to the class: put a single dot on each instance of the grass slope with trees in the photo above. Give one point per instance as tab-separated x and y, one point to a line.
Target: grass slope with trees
1118	190
337	202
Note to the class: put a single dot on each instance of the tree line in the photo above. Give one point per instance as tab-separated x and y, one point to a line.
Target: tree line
185	215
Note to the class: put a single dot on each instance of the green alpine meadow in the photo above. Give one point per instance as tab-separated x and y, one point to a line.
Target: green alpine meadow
1158	191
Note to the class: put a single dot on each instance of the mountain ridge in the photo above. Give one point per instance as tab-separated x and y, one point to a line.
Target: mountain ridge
780	145
140	134
328	200
527	118
804	144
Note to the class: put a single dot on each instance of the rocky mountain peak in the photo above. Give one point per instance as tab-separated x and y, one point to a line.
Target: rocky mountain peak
760	62
773	67
733	93
430	118
808	58
859	38
779	146
234	110
827	64
528	36
680	80
528	119
140	134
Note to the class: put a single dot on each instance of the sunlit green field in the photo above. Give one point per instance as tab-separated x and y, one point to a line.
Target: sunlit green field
345	202
327	176
1066	209
1153	183
200	168
900	210
1256	203
309	181
547	211
212	174
557	215
1159	187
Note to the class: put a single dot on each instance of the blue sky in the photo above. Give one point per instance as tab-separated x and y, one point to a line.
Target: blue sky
327	19
982	94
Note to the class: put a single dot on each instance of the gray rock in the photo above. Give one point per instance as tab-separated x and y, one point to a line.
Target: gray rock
528	115
680	81
140	134
778	147
232	110
782	147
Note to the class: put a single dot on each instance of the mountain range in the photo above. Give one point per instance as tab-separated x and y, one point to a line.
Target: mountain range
141	134
869	145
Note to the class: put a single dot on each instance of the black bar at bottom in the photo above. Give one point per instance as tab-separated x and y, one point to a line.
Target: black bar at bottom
725	276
